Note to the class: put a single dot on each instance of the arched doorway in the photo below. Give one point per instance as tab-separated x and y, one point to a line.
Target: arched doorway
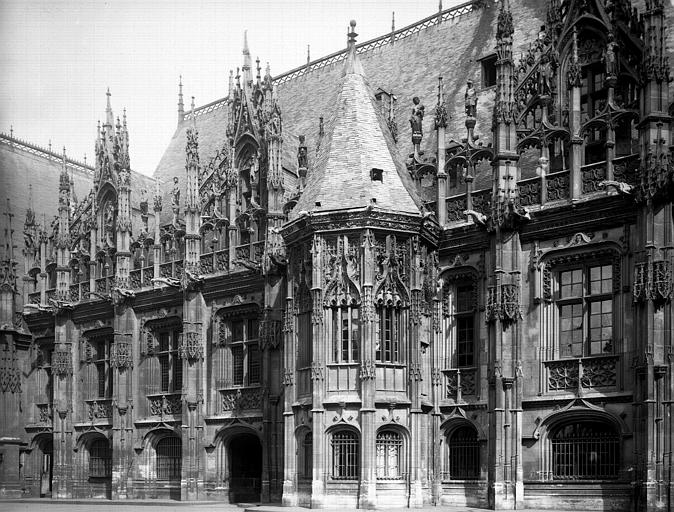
245	468
46	467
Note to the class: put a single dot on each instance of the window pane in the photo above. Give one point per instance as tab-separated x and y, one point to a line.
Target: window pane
601	326
345	335
571	283
237	365
464	298
571	330
355	335
237	330
585	450
100	459
164	370
345	462
253	364
177	373
253	329
100	370
164	342
465	341
169	458
601	279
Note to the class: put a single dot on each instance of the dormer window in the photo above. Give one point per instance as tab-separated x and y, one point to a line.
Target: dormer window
377	174
488	71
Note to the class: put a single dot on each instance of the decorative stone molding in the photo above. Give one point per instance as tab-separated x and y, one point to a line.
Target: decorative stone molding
10	373
165	404
191	347
503	303
415	372
61	361
121	356
288	377
241	399
653	281
368	370
317	371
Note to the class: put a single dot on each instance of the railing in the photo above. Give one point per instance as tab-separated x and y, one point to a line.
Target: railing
592	175
530	191
164	404
585	372
456	205
44	153
84	290
74	292
51	294
166	269
134	279
241	398
34	298
222	260
625	169
206	263
460	381
557	186
101	285
148	276
242	252
100	409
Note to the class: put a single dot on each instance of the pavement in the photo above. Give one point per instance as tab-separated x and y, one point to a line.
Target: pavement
49	505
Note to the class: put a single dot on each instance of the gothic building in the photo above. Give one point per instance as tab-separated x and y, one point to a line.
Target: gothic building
361	284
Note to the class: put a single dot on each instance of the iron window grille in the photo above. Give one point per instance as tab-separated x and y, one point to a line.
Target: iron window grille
345	456
390	332
100	459
585	302
169	458
464	454
389	447
585	451
170	364
346	334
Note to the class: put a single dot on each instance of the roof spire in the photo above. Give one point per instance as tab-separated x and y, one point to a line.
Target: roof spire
109	118
194	118
247	64
181	107
9	232
352	61
393	26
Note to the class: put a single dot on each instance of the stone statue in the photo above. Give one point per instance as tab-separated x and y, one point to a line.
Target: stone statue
610	58
143	201
109	223
470	99
302	153
545	76
417	117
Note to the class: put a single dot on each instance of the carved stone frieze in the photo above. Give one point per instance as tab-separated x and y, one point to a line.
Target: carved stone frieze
191	347
121	356
368	370
653	281
61	361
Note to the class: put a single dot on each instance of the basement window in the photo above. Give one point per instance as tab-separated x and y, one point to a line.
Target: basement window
488	71
377	174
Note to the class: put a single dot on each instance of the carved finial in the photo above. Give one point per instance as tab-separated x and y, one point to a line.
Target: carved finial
393	21
352	33
11	131
308	54
181	107
258	76
231	84
194	118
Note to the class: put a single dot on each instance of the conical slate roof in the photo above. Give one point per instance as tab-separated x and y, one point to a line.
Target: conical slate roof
356	141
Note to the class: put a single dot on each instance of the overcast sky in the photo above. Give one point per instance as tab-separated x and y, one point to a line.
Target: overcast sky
59	56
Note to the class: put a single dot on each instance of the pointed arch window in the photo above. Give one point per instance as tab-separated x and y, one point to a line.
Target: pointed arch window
345	455
388	348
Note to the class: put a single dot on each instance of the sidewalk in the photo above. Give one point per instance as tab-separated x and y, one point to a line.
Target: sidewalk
83	505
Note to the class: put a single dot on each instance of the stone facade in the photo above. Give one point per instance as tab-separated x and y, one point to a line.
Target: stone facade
305	315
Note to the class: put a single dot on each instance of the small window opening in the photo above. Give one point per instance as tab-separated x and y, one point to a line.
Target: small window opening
489	71
377	174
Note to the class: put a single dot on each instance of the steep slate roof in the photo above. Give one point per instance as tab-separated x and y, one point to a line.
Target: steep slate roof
408	64
23	164
356	141
408	67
